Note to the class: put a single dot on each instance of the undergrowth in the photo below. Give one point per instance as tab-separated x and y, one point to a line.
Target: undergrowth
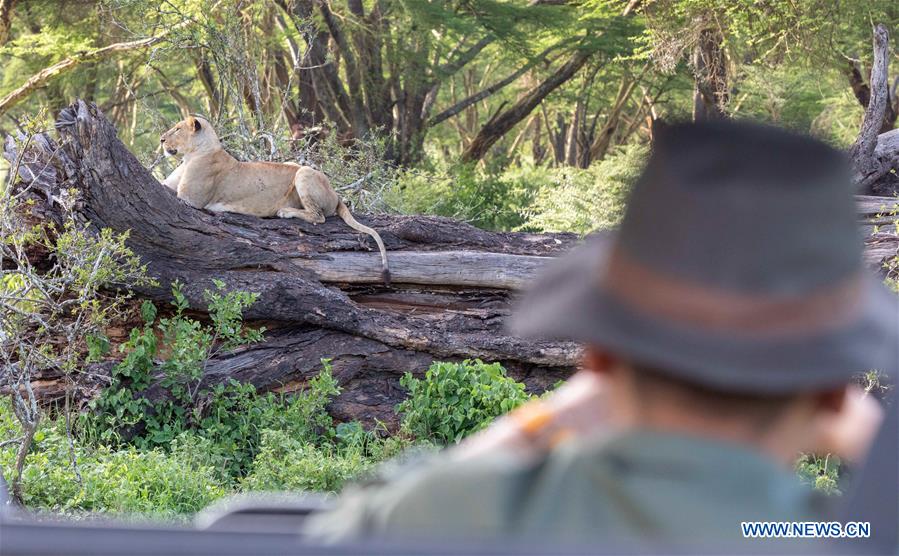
228	438
454	400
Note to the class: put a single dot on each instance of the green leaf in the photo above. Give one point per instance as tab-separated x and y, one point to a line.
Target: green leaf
148	312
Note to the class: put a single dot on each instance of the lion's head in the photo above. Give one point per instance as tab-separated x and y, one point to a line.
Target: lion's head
190	135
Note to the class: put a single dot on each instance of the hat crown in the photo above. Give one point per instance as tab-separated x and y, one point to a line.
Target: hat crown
744	208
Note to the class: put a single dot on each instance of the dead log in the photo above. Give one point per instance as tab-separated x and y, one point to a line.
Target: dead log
318	285
320	288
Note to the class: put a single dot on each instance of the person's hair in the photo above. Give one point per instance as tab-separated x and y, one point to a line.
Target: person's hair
760	410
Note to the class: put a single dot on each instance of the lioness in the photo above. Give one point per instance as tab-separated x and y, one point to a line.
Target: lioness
210	178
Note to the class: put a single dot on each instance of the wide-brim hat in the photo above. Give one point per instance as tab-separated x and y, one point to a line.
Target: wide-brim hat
738	266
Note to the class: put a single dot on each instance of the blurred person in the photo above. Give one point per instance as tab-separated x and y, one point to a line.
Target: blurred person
723	324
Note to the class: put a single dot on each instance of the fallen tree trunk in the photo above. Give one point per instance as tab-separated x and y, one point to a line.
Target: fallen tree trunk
319	286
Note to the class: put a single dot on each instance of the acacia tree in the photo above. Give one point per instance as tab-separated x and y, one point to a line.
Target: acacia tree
357	68
391	62
561	82
713	36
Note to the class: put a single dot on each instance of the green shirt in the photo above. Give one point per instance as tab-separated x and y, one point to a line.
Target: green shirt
641	485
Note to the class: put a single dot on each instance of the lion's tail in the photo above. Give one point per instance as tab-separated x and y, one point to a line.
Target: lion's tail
344	213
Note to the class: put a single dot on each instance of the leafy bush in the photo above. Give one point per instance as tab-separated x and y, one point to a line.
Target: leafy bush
456	399
488	200
583	201
316	456
47	315
285	463
821	473
244	441
224	432
533	198
127	480
227	437
524	197
230	433
320	460
122	412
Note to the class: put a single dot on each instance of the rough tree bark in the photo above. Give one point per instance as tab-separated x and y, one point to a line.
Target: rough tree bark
862	92
6	11
320	289
875	155
710	92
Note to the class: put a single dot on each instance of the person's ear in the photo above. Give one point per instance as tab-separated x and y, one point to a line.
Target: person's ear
846	422
833	400
599	360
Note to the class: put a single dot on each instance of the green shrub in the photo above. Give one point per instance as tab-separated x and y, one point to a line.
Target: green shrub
230	431
273	442
583	201
456	399
304	415
218	428
285	463
488	200
226	435
821	473
121	481
121	412
524	197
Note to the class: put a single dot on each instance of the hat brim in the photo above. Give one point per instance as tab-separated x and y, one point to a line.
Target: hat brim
568	303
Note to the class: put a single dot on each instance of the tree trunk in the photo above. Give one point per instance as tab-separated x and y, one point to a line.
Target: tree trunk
571	138
602	141
875	155
710	94
6	10
354	77
498	126
862	92
367	42
207	79
318	74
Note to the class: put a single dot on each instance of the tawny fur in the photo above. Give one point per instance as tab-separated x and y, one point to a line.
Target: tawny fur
211	179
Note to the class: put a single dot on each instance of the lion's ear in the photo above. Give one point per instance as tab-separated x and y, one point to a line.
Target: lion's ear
196	125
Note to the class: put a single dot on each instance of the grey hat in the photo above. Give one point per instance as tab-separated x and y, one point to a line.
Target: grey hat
738	266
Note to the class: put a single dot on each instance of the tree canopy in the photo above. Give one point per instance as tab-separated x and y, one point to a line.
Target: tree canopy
504	81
